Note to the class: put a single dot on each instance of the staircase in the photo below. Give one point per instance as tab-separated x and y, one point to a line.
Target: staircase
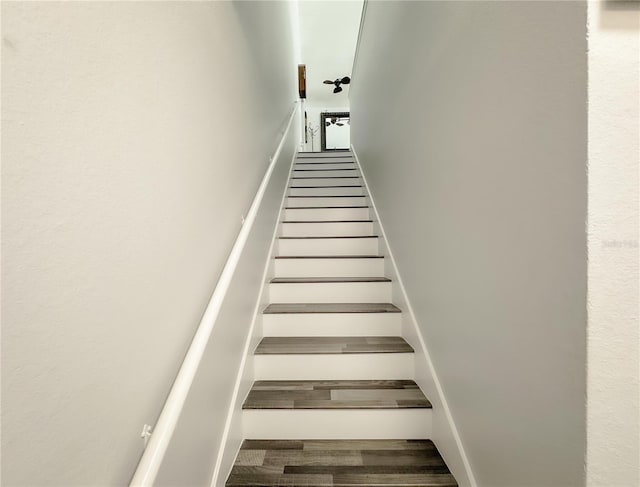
334	403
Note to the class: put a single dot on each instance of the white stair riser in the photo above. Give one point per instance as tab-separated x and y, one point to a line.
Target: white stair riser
352	366
333	229
325	155
342	190
332	201
326	174
330	292
332	324
409	423
358	267
315	182
325	214
325	167
328	246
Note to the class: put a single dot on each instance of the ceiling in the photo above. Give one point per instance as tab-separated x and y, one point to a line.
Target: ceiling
328	36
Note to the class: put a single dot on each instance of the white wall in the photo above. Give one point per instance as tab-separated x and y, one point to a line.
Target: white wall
134	136
476	160
199	435
613	418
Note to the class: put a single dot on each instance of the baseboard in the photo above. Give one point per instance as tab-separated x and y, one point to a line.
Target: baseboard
445	433
233	433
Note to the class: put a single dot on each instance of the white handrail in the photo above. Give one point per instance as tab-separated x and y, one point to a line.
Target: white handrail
153	455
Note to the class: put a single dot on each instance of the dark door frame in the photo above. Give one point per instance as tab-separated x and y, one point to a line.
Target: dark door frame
323	129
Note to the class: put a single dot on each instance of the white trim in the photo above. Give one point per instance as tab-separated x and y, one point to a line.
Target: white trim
153	455
236	399
423	346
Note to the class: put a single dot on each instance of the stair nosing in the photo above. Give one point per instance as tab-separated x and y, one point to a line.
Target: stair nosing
330	237
329	257
336	408
316	187
307	170
332	352
327	280
326	221
407	349
395	309
327	177
320	207
321	163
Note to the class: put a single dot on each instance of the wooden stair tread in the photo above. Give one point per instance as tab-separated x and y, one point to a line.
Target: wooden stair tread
315	187
329	257
288	308
329	463
336	394
332	345
329	236
327	177
327	221
299	161
341	169
298	280
320	207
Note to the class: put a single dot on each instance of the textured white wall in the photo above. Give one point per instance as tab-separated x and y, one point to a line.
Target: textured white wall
476	157
197	439
134	136
613	404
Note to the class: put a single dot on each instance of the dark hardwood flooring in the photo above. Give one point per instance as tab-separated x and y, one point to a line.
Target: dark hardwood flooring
319	207
278	308
326	221
329	256
336	394
328	237
329	196
332	345
339	463
315	187
297	280
325	177
341	169
310	162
